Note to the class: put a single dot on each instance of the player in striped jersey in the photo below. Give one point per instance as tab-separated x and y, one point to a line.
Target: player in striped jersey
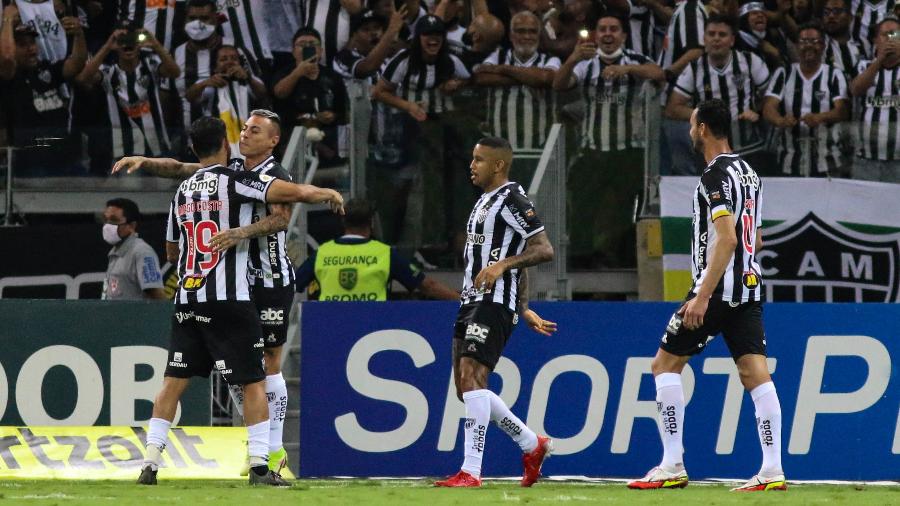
866	16
521	106
878	84
133	107
270	272
215	323
504	237
331	18
611	144
841	50
727	74
159	17
725	297
806	101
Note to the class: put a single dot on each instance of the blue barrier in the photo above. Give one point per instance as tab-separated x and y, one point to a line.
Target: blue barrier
377	396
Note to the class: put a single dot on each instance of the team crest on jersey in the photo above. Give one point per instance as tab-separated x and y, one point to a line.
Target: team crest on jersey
265	178
482	214
750	279
347	278
800	257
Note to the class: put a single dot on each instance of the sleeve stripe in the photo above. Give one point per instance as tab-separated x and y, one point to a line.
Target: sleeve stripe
720	211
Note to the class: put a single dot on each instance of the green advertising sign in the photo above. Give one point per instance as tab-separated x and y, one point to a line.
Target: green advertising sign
81	362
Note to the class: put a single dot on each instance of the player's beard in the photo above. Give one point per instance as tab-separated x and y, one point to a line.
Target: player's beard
698	145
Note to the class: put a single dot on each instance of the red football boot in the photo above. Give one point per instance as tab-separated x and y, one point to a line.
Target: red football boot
460	479
533	460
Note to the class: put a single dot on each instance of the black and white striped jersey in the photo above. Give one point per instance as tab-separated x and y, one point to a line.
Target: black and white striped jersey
197	65
345	62
137	125
805	151
419	83
879	128
521	114
737	84
215	198
498	227
270	266
642	34
246	26
332	22
614	110
866	16
728	186
156	16
685	31
843	55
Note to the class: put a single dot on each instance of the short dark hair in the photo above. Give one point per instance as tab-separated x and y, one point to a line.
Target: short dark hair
811	25
207	134
722	19
202	4
847	3
886	19
495	142
358	213
626	26
129	209
306	30
269	115
715	115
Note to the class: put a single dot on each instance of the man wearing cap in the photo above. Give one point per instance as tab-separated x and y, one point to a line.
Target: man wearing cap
372	41
35	97
133	271
755	37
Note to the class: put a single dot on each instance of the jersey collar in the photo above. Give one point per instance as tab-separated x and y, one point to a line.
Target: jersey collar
713	161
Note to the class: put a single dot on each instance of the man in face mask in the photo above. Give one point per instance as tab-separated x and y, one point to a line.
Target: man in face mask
133	271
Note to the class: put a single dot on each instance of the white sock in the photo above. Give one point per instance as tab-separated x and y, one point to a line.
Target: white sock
157	438
768	425
258	443
237	397
511	425
276	393
478	414
670	406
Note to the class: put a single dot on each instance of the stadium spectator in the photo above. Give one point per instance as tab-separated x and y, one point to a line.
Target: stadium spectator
163	18
134	117
372	40
330	19
312	95
610	163
754	36
728	74
35	98
521	106
866	17
878	87
421	81
245	27
645	18
133	270
283	19
195	59
806	102
332	273
51	22
451	12
841	50
230	93
563	26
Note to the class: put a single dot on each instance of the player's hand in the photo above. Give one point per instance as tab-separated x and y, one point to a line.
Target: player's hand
226	239
129	164
538	324
71	25
749	115
336	202
693	312
485	279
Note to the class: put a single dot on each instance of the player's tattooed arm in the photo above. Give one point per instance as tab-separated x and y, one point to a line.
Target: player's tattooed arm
537	251
275	222
161	167
522	292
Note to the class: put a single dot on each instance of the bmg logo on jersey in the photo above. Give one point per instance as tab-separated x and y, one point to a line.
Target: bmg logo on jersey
271	316
477	332
209	184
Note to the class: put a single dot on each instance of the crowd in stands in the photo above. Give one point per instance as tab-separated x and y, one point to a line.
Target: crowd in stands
813	85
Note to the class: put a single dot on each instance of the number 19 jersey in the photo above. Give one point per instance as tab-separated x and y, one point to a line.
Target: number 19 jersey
728	186
214	199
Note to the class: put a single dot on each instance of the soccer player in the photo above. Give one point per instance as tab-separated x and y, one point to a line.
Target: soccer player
505	236
726	298
215	323
270	274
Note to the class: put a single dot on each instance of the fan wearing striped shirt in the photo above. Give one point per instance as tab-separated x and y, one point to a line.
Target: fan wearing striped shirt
131	81
725	298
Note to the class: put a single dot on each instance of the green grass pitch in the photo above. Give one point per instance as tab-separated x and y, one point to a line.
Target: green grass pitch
419	492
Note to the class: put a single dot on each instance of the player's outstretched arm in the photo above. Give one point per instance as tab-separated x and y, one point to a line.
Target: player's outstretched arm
275	222
534	321
282	192
161	167
537	251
